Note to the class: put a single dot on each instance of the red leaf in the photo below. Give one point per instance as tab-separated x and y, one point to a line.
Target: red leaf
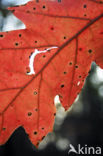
76	28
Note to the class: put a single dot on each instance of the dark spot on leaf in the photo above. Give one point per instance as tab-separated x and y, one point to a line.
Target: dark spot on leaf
43	137
35	41
35	133
54	114
16	44
35	93
44	56
37	144
70	63
80	49
85	15
17	6
36	109
13	11
42	128
34	8
44	6
19	35
89	72
90	50
1	35
62	86
64	37
65	73
12	105
76	66
52	28
29	113
60	96
27	11
85	6
80	76
3	128
27	70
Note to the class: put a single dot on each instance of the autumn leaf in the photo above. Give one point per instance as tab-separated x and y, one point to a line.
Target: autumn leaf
52	56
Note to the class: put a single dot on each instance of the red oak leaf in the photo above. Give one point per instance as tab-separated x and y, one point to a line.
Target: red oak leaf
53	55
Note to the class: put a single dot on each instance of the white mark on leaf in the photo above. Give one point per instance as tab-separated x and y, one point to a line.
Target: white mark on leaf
32	59
78	83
